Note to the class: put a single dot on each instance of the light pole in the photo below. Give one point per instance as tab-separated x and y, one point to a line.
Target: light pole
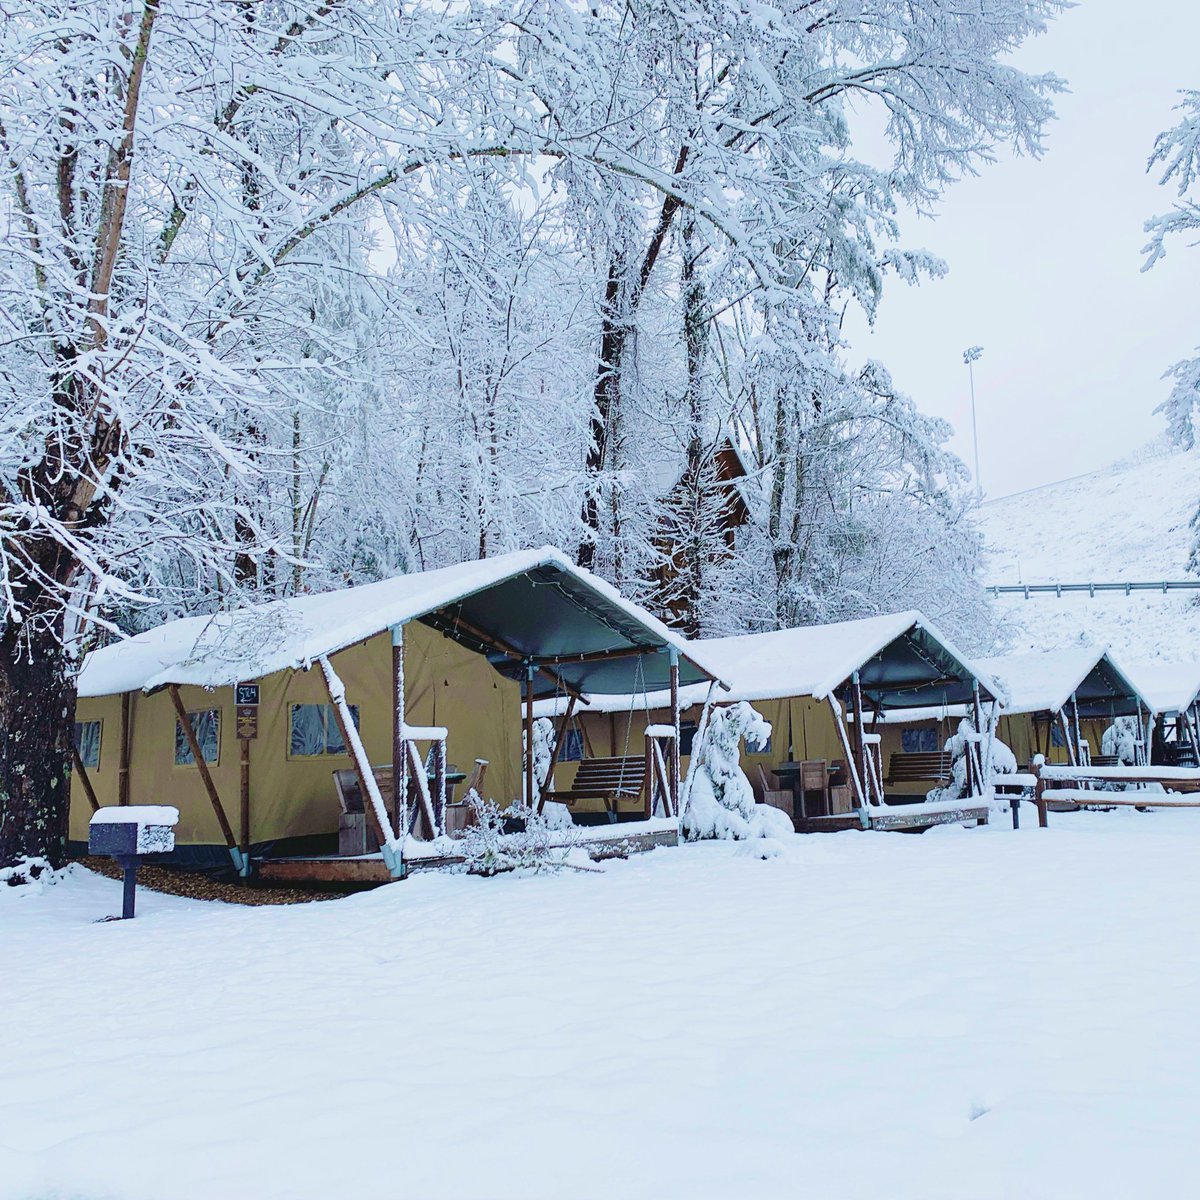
971	357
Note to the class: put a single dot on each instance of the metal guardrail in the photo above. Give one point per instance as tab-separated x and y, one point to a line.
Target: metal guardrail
1061	589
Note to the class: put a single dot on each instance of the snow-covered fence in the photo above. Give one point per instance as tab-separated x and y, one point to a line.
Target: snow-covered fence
1052	778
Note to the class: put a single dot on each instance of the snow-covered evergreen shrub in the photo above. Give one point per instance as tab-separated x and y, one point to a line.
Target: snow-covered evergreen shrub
515	838
720	798
543	747
1121	739
995	759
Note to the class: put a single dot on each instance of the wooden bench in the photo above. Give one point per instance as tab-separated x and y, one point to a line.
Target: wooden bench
918	767
609	779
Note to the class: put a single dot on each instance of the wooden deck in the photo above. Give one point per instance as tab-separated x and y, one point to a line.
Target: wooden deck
369	871
901	818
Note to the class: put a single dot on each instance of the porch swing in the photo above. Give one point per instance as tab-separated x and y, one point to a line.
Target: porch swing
618	777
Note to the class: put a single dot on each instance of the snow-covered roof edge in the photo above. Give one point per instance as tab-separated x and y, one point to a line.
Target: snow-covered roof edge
1044	681
176	652
881	630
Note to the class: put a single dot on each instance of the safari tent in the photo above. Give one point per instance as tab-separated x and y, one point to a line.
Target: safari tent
1059	703
1172	695
822	688
241	719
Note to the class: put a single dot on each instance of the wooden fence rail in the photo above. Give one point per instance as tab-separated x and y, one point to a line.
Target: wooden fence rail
1052	782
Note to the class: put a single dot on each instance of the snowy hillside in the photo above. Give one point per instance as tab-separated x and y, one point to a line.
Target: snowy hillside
1130	522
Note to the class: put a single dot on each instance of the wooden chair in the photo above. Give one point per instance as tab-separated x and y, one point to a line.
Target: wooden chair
777	797
813	777
609	779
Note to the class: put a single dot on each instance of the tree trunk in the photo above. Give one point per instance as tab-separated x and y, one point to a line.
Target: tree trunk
614	332
37	715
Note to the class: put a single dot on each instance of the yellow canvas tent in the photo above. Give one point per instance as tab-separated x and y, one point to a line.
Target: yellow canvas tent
809	683
1059	703
276	698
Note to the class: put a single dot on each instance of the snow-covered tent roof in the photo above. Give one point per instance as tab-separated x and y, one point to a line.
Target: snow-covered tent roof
533	604
1045	682
1168	688
902	661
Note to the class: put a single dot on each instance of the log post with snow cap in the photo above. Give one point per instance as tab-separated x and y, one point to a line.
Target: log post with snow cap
399	757
674	751
528	752
390	846
125	833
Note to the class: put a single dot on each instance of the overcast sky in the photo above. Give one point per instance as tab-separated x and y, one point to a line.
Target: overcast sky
1045	261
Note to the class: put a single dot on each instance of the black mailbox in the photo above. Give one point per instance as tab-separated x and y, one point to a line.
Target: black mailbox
128	832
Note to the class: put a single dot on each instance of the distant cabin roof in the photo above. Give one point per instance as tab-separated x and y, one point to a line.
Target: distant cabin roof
535	603
1046	681
902	659
1167	687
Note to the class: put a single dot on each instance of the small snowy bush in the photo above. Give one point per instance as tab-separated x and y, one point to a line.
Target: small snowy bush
721	800
34	874
516	838
1121	739
1001	761
543	747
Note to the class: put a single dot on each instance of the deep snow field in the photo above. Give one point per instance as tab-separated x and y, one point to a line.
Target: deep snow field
961	1014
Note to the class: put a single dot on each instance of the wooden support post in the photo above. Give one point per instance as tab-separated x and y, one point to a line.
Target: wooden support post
423	797
529	798
563	727
81	771
439	779
1038	794
859	731
244	796
851	768
198	757
1066	731
672	807
399	758
648	753
123	748
361	769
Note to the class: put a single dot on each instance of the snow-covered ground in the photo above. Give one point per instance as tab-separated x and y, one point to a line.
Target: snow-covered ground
960	1014
1129	521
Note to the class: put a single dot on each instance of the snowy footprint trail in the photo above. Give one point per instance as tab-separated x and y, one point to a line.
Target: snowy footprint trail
962	1014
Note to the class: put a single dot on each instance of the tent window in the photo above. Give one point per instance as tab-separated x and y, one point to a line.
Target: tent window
87	742
687	735
314	730
1056	736
572	747
920	741
206	725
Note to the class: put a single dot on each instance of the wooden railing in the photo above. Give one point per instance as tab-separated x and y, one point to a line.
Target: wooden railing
1050	780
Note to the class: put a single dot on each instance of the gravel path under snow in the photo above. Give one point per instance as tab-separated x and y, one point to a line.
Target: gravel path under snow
961	1014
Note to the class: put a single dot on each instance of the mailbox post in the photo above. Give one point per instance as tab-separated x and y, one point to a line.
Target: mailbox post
126	833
